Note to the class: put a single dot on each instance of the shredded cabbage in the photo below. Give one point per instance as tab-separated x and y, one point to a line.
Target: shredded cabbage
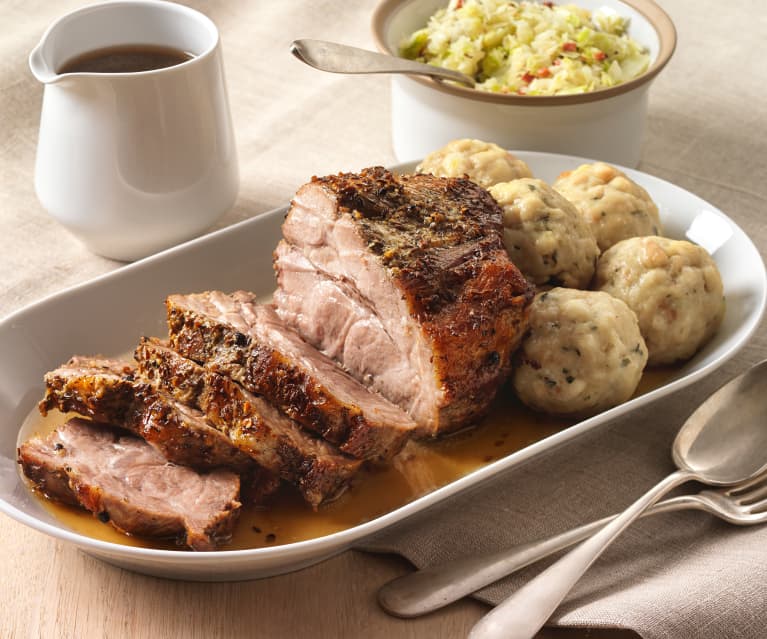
529	48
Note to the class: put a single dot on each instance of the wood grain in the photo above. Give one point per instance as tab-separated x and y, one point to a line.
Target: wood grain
54	590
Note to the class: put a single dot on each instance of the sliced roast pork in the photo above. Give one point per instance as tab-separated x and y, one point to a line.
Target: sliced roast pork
274	440
330	314
108	391
125	481
248	342
406	281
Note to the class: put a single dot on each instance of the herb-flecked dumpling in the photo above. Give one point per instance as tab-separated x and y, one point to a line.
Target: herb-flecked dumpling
544	234
583	353
615	206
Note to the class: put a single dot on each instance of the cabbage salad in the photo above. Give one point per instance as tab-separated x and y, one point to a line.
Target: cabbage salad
530	48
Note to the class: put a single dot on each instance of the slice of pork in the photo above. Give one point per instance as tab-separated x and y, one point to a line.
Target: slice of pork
274	440
123	480
330	314
234	336
109	391
415	263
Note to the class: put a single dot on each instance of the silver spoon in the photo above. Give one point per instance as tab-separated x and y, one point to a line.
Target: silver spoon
423	591
341	58
724	442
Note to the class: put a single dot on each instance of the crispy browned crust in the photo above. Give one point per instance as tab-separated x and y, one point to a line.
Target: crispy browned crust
440	240
51	481
108	391
319	472
285	383
88	395
160	423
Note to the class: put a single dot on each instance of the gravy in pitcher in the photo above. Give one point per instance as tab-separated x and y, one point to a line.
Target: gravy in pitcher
125	59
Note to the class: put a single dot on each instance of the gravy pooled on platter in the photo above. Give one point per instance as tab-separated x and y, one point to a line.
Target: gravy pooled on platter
422	468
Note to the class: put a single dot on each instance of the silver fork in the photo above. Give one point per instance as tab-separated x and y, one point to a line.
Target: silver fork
427	590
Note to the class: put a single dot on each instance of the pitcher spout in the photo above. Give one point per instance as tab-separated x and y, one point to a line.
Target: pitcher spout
41	68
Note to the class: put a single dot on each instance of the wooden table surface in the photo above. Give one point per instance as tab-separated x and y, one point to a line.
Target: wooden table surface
706	132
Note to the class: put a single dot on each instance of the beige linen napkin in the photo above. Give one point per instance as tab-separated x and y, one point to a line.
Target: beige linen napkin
675	575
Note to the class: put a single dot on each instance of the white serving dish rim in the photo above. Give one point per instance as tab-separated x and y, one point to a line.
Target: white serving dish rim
310	551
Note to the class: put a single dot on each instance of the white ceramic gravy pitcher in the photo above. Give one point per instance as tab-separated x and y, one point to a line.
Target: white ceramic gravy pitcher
132	163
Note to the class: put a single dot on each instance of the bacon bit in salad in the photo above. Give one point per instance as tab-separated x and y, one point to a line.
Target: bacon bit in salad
544	73
528	77
550	5
600	55
458	4
569	46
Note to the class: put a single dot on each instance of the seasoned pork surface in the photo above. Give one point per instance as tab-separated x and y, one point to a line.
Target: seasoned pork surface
415	265
109	391
274	440
123	480
234	336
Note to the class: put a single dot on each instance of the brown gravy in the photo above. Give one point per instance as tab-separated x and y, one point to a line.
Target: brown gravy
125	59
420	469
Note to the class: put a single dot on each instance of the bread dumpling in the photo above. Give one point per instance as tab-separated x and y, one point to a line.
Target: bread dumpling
544	234
673	286
615	206
484	162
583	353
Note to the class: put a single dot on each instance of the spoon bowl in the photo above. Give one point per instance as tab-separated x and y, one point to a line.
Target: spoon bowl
725	438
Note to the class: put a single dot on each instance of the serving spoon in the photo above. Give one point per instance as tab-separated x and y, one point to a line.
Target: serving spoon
341	58
723	442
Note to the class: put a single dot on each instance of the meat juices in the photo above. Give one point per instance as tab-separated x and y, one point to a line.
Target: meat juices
413	265
128	483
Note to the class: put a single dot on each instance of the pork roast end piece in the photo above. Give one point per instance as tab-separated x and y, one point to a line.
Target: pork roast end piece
234	336
104	388
123	480
110	391
422	256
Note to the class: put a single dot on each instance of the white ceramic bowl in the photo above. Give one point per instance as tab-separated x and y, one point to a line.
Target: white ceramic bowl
607	124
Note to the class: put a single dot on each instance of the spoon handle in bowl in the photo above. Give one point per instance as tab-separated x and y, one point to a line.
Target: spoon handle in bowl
525	612
342	58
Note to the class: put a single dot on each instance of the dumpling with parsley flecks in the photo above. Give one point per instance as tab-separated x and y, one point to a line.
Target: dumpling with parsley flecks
583	353
673	286
613	204
484	163
544	235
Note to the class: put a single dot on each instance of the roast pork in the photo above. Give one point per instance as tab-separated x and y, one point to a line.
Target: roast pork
128	483
404	280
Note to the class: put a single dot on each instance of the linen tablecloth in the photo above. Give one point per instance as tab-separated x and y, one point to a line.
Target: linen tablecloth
707	133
